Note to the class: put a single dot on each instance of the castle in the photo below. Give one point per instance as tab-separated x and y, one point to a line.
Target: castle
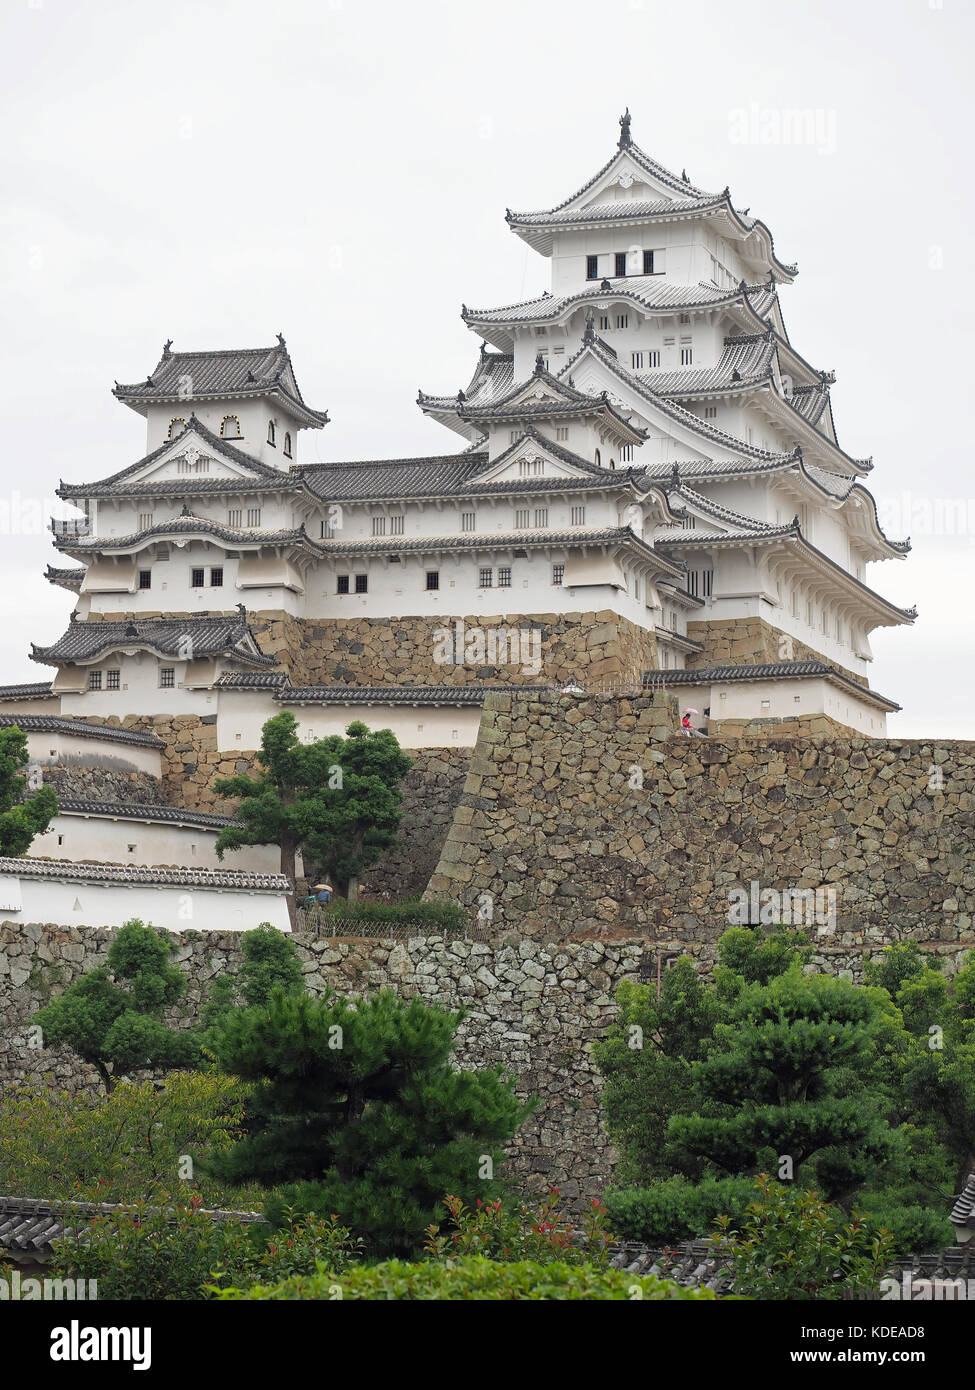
648	490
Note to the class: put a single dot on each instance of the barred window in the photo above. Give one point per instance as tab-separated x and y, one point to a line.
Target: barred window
468	521
433	579
504	577
253	516
235	517
145	521
379	526
622	320
113	680
648	262
396	525
653	358
541	516
216	577
562	433
94	680
362	583
522	518
578	516
145	579
167	677
343	584
197	579
558	574
485	578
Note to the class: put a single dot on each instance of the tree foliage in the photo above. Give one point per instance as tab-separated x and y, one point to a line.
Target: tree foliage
21	818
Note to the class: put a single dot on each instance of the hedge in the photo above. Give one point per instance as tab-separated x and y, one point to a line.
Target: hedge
676	1209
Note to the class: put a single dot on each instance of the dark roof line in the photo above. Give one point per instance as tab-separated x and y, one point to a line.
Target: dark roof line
80	728
772	670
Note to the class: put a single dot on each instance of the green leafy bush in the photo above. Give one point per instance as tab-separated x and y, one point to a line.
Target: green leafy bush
128	1146
366	918
676	1209
911	1227
473	1277
512	1231
180	1254
792	1245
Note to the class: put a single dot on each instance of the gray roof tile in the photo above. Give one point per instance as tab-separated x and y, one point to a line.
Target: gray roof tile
64	871
79	728
167	637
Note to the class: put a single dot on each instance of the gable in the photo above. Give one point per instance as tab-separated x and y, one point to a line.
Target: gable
191	457
590	375
531	457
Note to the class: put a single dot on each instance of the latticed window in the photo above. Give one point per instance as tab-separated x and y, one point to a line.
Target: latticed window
468	521
198	579
216	577
592	267
343	584
558	574
396	525
94	680
541	516
504	577
379	526
485	578
648	262
522	518
253	516
578	516
113	680
619	260
145	579
433	579
362	583
167	677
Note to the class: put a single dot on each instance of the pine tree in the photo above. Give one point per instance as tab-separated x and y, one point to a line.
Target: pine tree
21	818
112	1016
359	1111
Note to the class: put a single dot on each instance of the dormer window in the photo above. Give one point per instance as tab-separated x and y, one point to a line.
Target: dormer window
270	434
230	427
176	427
287	444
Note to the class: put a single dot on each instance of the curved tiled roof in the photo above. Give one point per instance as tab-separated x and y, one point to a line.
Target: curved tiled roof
650	291
65	871
188	376
30	1227
69	579
384	694
362	480
187	524
762	671
493	378
79	728
143	810
746	361
169	637
31	690
109	486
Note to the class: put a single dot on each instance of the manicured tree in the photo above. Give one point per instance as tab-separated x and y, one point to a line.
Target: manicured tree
269	961
112	1016
20	818
777	1085
358	1111
336	799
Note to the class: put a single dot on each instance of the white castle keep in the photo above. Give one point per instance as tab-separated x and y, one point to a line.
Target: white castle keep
648	487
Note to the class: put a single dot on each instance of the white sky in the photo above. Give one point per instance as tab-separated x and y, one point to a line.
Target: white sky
338	171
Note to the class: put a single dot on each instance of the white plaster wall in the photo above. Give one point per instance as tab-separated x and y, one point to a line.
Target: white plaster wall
253	415
101	840
62	749
140	693
172	908
242	714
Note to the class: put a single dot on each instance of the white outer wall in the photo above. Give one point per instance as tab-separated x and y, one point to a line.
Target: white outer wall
48	749
173	908
101	840
243	713
787	700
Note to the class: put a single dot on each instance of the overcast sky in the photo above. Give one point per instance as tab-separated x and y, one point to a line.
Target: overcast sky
338	171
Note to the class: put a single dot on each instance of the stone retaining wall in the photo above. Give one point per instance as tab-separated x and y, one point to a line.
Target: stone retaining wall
103	784
431	793
743	641
534	1007
583	810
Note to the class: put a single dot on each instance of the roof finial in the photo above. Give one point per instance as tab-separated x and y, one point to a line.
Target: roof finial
281	341
675	476
166	346
539	362
186	511
626	139
589	336
242	610
684	178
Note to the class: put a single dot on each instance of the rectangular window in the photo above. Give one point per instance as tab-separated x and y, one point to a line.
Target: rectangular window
362	583
253	516
604	323
561	433
692	582
379	526
636	360
197	579
433	579
578	516
648	262
396	525
343	584
686	352
653	358
558	573
620	260
689	523
504	577
626	453
327	531
145	579
145	521
541	516
522	518
167	677
707	577
468	521
592	267
113	680
235	517
94	680
485	578
622	320
216	577
710	412
683	318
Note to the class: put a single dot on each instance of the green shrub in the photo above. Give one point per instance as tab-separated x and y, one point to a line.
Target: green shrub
912	1228
181	1254
676	1209
511	1231
128	1146
365	918
473	1277
792	1245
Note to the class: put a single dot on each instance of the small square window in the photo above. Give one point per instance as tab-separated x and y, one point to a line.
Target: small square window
522	518
198	579
343	584
558	574
433	579
94	680
468	521
145	579
167	677
485	579
541	516
379	526
216	577
396	525
504	577
113	680
362	583
578	516
235	517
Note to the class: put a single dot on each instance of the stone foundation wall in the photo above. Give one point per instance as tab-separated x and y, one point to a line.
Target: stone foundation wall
583	813
745	641
533	1007
103	784
431	793
793	726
